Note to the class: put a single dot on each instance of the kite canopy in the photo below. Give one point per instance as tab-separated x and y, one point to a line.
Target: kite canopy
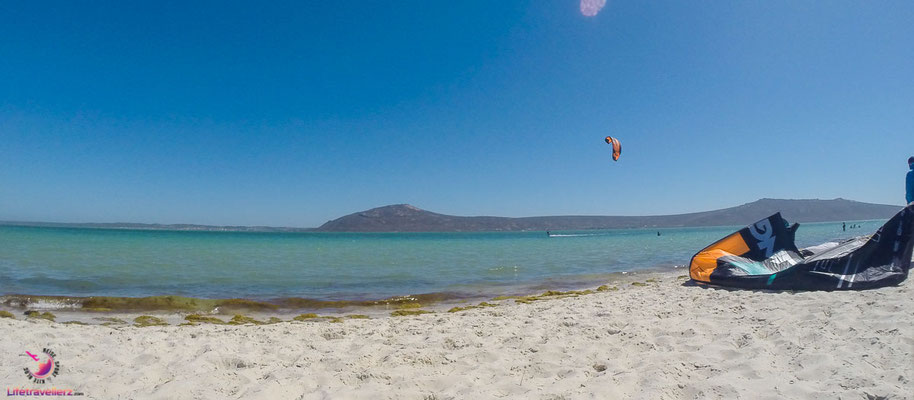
591	7
763	256
617	147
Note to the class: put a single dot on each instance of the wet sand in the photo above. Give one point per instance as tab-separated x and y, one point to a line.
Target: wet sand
659	339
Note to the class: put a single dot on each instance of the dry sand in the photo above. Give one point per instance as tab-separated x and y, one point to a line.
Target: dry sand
666	340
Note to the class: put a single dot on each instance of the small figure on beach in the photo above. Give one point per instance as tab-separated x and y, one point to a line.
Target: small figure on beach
909	182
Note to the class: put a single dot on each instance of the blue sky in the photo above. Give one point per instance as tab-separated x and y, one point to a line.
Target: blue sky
296	113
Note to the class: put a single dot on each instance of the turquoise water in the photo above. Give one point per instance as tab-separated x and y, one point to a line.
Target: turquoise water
341	266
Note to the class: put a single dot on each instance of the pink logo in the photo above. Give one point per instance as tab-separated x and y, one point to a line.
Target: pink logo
46	369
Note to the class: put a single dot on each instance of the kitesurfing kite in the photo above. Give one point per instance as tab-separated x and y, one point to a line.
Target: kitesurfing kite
590	8
763	256
617	147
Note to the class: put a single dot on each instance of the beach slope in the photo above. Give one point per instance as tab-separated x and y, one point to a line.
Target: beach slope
664	339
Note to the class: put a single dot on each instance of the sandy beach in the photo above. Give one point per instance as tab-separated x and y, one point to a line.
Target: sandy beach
534	200
667	339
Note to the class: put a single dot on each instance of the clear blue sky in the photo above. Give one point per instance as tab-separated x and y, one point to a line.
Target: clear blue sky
271	113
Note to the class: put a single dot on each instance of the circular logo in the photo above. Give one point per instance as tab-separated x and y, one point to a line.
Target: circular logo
43	366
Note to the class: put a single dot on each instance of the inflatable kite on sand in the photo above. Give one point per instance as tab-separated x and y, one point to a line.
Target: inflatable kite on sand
763	256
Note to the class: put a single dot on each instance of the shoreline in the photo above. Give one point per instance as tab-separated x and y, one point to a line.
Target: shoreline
163	304
173	309
662	339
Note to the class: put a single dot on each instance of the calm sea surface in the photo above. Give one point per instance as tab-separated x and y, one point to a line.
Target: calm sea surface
335	266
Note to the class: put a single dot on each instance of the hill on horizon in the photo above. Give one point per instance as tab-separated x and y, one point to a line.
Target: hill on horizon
407	218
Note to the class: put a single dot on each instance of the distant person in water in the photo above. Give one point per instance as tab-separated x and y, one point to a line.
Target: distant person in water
844	226
909	182
548	234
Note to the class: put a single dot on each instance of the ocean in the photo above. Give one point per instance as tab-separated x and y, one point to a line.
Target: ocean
76	262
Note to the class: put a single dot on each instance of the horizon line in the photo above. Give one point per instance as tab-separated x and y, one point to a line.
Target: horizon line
167	226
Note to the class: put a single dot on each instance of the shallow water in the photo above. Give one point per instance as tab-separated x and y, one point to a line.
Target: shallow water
337	266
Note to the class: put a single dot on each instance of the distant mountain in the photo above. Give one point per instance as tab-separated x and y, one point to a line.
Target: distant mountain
406	218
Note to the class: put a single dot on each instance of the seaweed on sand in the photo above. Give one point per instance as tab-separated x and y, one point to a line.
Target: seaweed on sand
315	317
148	320
31	314
480	305
403	313
203	319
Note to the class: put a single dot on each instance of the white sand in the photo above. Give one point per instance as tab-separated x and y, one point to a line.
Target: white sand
664	341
